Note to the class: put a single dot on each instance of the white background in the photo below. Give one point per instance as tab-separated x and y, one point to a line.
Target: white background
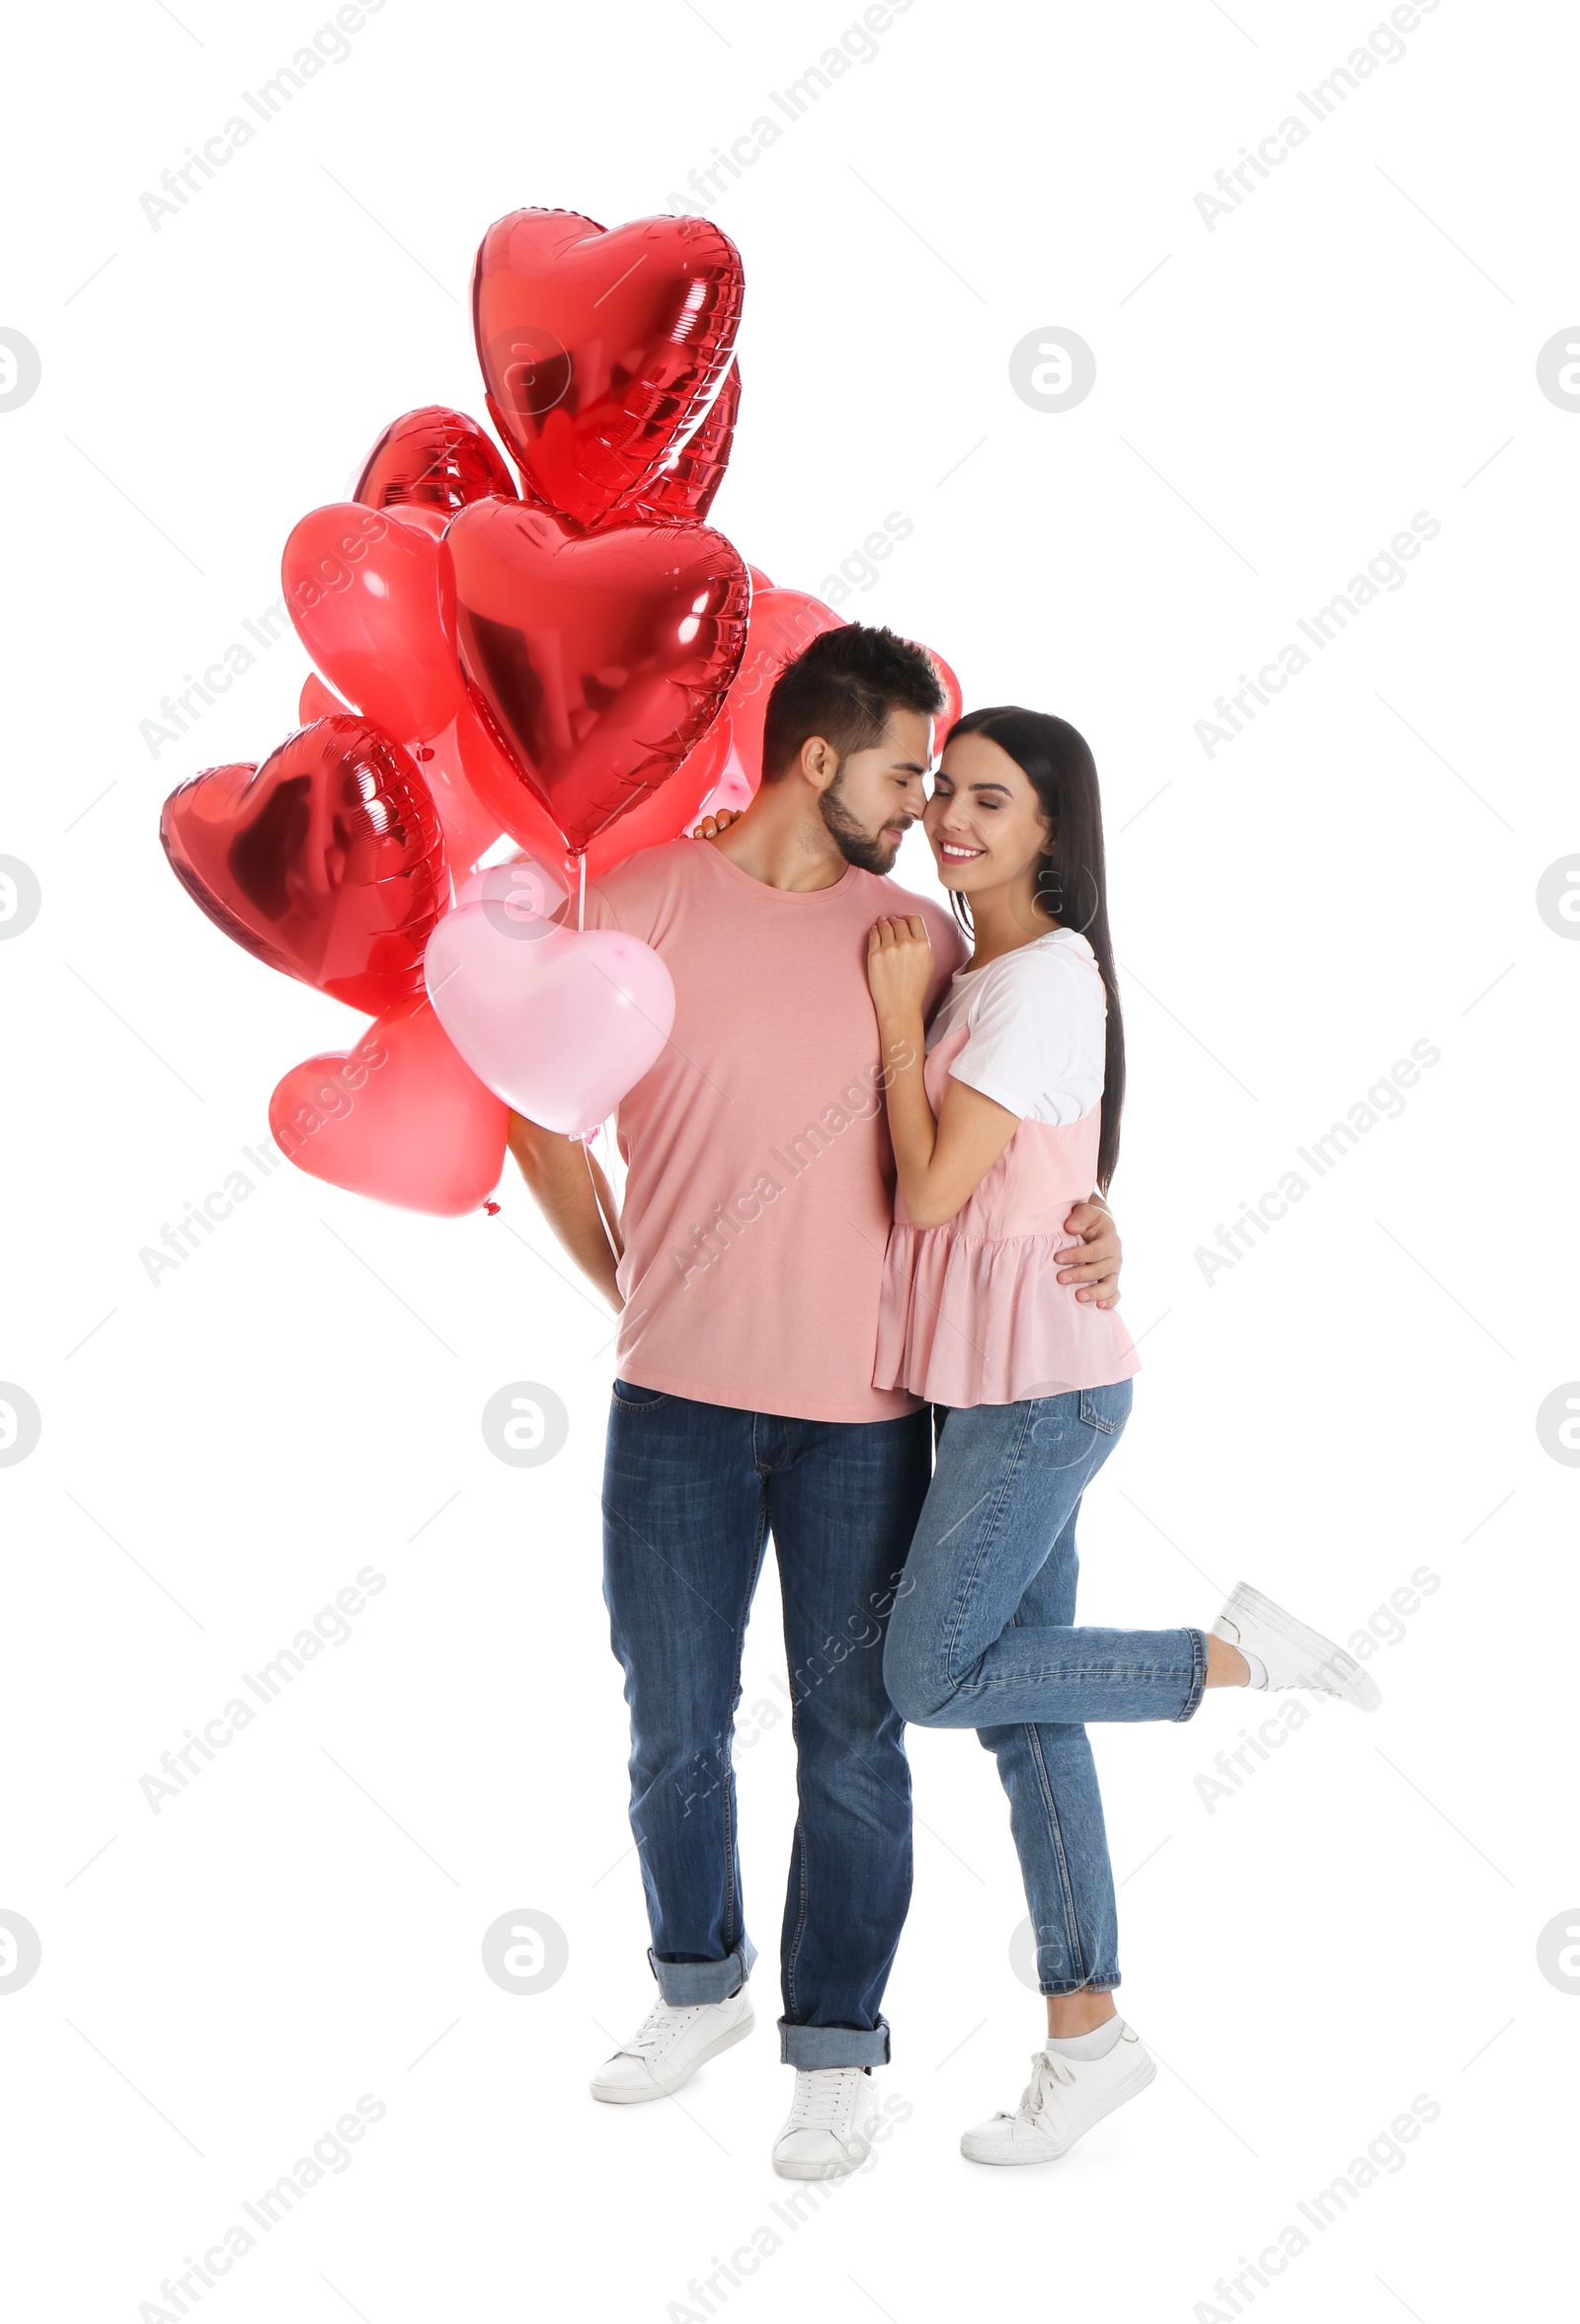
1356	1398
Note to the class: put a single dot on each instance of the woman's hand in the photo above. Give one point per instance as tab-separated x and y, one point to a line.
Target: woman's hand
711	825
900	968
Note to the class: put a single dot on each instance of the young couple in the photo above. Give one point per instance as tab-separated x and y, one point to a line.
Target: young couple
849	1178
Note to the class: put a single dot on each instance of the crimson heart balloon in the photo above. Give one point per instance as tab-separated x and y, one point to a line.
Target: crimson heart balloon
681	489
400	1117
317	700
434	458
326	863
668	813
599	662
361	587
601	352
784	623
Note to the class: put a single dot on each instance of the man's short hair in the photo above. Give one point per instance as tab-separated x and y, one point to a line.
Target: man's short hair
845	688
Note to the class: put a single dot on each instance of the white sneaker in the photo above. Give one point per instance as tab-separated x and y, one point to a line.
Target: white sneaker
1295	1656
669	2045
1064	2097
828	2130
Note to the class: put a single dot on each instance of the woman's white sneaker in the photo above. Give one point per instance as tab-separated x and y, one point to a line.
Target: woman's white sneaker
1291	1654
669	2045
1064	2097
828	2130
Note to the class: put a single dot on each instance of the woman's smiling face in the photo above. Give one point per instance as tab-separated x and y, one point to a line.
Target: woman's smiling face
985	821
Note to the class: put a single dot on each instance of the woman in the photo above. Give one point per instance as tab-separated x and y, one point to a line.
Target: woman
1003	1113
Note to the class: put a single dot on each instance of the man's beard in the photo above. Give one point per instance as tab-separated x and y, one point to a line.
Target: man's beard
868	850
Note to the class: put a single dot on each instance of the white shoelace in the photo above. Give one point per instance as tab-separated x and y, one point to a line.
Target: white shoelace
1046	2073
661	2024
825	2100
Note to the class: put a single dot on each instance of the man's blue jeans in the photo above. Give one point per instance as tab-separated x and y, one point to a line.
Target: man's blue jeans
984	1637
691	1494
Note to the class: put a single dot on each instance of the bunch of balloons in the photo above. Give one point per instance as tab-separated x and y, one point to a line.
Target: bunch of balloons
577	663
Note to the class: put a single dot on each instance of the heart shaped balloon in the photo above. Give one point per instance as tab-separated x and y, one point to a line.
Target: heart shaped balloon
601	350
599	662
327	861
524	888
399	1117
732	792
680	489
362	586
784	623
559	1025
670	811
433	458
954	700
317	701
489	777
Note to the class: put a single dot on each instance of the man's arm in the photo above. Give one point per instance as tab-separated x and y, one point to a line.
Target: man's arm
1094	1262
575	1197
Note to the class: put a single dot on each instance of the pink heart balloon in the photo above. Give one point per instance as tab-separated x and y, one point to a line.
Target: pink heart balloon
400	1117
560	1025
524	887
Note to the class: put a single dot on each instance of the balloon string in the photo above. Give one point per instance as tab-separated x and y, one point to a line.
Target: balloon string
580	899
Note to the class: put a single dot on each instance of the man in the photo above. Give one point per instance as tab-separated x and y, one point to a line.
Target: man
746	1270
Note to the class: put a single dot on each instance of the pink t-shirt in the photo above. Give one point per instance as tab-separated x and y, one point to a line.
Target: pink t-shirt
760	1187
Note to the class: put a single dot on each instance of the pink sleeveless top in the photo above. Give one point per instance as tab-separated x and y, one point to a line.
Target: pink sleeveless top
973	1312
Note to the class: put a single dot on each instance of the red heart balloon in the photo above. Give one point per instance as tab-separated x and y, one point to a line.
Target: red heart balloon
683	488
784	623
491	776
400	1117
381	632
600	662
317	701
954	700
327	861
362	586
601	352
668	812
433	458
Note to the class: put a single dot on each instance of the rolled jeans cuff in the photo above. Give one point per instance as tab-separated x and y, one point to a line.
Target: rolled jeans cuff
810	2046
685	1984
1198	1680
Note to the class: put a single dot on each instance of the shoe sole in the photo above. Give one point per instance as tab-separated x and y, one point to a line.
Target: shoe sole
1131	2086
794	2170
637	2096
1322	1654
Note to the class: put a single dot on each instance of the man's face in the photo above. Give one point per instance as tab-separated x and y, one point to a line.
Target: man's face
878	793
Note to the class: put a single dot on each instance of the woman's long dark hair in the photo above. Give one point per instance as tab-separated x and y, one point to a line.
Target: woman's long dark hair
1071	880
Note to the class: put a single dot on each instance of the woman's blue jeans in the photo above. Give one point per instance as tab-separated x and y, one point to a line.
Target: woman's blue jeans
982	1637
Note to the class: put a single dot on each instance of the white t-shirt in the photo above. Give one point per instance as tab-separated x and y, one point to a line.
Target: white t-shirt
1036	1024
